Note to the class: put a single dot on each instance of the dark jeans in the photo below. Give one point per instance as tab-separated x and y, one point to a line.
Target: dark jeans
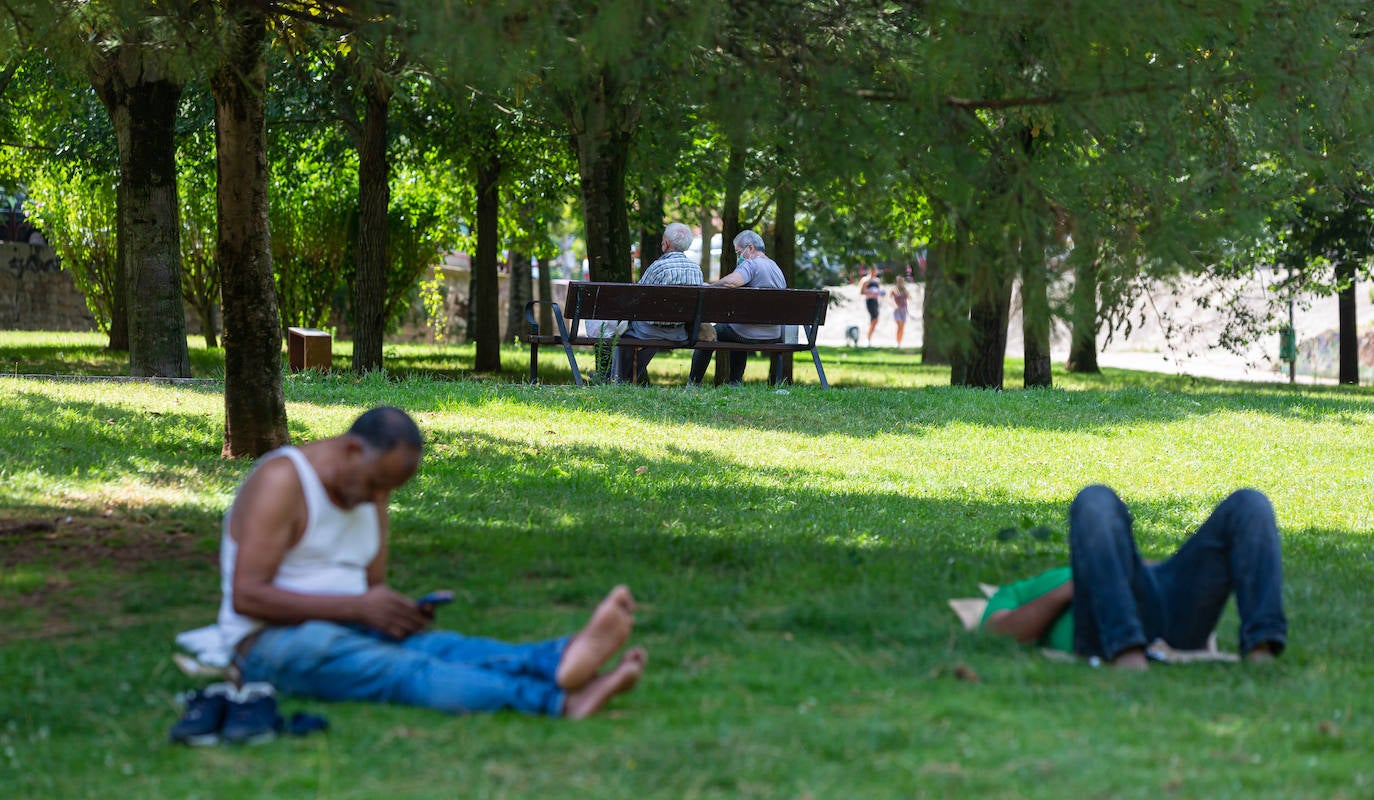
1119	602
632	363
739	359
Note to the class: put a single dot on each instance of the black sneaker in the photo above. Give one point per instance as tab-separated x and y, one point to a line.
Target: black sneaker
252	716
200	725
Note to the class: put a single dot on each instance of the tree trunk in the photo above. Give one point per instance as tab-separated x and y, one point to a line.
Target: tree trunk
942	303
785	254
374	197
602	125
486	298
119	298
729	229
141	96
545	294
254	406
206	314
470	313
1035	317
1349	334
650	226
729	213
1083	342
989	317
520	292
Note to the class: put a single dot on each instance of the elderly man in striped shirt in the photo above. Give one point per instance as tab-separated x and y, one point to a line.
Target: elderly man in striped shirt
673	268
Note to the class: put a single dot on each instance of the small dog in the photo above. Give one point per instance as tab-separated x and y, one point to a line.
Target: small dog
851	334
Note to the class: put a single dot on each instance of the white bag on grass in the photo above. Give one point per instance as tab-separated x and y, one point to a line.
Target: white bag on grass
604	328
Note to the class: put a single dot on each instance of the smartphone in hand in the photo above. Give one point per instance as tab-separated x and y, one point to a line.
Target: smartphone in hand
434	599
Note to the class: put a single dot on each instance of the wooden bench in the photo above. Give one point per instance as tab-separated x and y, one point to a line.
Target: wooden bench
690	305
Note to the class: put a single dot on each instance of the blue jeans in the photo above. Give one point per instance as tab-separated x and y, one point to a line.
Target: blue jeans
436	669
739	359
1119	602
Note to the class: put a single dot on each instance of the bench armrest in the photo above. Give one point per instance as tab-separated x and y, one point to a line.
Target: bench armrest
530	315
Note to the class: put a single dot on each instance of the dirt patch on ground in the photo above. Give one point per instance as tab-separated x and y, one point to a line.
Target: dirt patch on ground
69	541
65	570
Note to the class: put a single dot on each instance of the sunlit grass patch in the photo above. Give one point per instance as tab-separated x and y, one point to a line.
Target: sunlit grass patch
791	552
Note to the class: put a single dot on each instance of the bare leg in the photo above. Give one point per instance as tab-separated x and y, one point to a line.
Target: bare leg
1131	659
872	326
594	645
593	697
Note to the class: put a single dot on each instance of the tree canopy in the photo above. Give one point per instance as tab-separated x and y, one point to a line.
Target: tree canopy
1038	144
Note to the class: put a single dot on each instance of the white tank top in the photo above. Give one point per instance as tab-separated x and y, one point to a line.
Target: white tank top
330	558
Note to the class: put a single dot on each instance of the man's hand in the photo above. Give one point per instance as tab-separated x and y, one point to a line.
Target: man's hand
391	612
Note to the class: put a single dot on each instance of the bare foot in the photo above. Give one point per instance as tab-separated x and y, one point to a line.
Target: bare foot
1262	653
594	645
1132	659
593	697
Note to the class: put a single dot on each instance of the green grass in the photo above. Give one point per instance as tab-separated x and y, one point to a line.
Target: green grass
792	552
84	354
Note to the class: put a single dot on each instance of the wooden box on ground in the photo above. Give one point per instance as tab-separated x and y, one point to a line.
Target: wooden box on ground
308	348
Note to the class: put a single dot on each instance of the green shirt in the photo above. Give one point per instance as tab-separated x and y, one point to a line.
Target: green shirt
1014	595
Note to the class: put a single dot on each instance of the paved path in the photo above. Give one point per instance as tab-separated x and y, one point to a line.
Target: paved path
1190	349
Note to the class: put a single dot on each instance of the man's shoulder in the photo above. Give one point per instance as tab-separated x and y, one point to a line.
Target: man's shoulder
673	268
276	473
763	273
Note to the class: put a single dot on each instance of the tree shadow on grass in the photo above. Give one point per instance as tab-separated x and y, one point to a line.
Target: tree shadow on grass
914	412
1102	405
81	358
88	439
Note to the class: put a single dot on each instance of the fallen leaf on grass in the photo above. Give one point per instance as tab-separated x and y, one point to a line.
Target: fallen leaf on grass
641	470
965	673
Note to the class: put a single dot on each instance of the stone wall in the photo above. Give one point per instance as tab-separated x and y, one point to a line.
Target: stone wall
36	294
416	325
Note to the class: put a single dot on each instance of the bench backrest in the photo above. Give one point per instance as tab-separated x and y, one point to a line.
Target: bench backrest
764	306
630	301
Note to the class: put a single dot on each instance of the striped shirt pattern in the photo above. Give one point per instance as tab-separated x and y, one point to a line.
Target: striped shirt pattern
673	268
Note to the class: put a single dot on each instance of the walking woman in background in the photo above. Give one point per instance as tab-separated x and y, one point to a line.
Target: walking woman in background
900	297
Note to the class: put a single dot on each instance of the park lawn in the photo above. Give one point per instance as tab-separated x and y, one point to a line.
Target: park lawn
79	355
84	355
792	553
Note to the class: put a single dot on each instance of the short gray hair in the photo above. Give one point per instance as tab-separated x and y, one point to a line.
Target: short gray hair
749	238
678	236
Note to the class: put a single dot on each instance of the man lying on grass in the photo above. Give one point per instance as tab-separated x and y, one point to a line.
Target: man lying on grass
306	606
1110	604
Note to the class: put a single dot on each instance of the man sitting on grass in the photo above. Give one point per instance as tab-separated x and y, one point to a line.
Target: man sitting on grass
306	606
1110	604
